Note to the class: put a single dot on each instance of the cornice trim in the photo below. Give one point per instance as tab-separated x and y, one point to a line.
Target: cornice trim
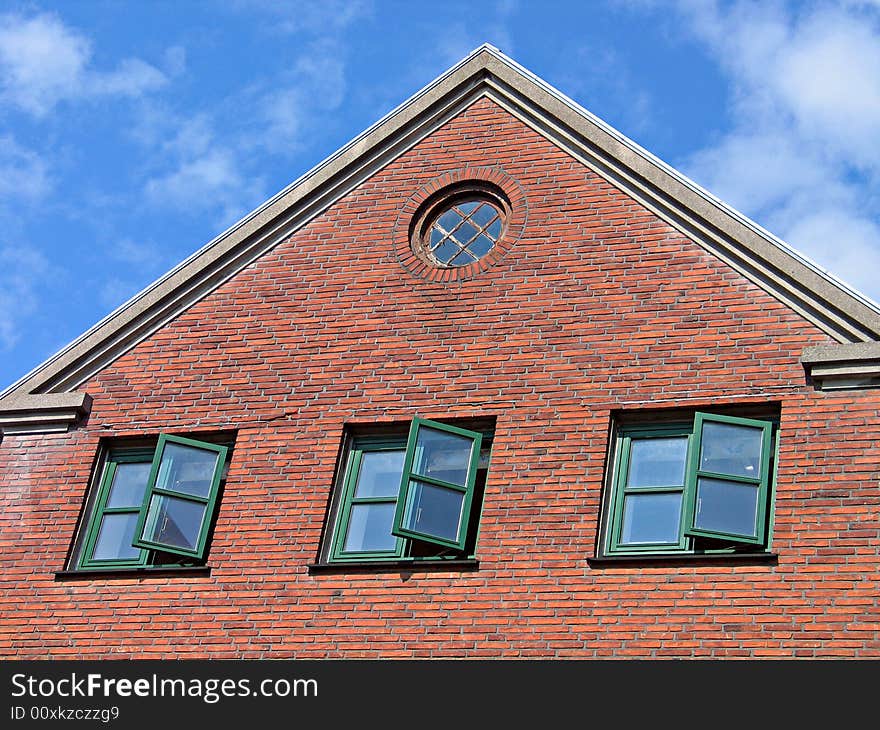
44	413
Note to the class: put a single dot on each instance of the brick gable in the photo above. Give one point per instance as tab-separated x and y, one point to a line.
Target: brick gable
599	306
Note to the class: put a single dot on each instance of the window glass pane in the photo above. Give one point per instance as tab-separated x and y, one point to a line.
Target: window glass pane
446	251
728	507
434	511
380	473
730	449
484	215
442	455
467	208
494	230
657	462
129	484
115	537
369	528
174	522
449	220
187	469
463	259
480	246
651	518
465	232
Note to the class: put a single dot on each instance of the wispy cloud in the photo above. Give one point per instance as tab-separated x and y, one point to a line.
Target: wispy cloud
211	180
23	173
142	262
44	62
315	17
315	84
802	155
204	162
144	255
194	167
594	72
21	269
488	24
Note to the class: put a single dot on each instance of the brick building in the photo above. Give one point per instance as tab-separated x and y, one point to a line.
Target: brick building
491	381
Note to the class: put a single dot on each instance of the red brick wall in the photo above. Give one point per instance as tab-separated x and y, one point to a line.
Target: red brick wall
598	306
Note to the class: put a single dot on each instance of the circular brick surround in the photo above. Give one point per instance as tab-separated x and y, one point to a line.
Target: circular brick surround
413	210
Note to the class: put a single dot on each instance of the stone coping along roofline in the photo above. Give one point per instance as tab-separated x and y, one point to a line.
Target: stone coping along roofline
845	315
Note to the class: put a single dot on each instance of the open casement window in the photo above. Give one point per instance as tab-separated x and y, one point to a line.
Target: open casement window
179	500
701	486
728	479
410	497
152	506
437	485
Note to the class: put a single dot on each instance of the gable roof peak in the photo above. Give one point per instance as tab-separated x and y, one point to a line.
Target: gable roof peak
837	309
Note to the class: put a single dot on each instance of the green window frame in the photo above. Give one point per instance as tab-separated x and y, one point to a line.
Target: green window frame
388	499
669	494
422	491
157	466
155	511
362	451
759	482
101	510
623	492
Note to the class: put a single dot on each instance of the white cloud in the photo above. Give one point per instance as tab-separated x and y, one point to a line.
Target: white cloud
21	270
193	168
115	291
143	262
175	60
803	149
44	62
132	78
207	181
23	173
844	237
486	23
142	255
315	84
590	72
319	17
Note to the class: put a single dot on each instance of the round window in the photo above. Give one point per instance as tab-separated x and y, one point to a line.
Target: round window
461	231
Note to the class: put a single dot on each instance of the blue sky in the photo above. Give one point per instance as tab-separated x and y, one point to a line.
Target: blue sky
132	133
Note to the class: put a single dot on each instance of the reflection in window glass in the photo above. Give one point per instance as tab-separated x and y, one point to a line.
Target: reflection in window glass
651	518
435	511
657	462
187	469
731	449
380	473
726	507
442	455
115	537
464	233
369	528
129	484
174	522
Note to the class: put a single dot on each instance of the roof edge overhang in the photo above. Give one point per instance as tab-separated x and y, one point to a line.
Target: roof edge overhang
843	367
44	413
845	315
